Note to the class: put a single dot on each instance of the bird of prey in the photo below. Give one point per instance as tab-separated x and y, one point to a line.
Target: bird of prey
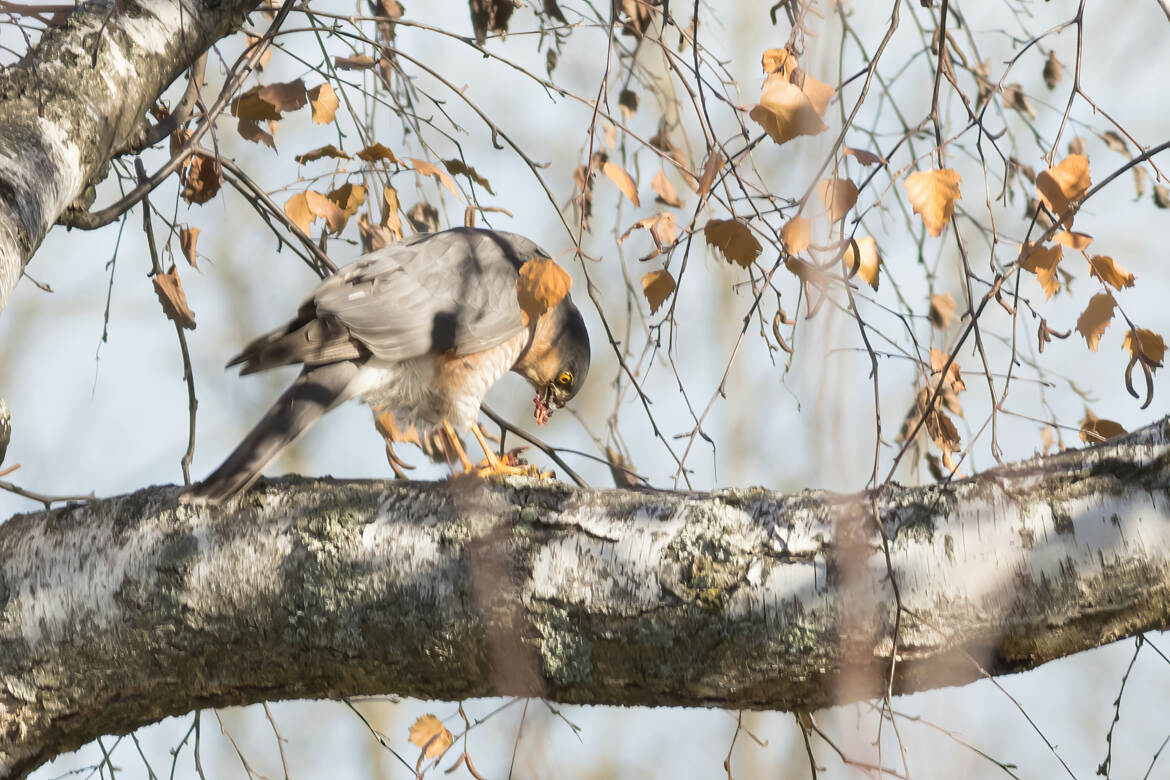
422	328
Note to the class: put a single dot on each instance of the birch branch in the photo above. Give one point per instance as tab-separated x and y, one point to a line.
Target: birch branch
119	612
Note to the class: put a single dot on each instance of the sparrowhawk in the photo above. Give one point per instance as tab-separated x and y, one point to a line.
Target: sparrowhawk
422	327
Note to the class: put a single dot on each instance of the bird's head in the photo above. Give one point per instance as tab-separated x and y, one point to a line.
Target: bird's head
558	361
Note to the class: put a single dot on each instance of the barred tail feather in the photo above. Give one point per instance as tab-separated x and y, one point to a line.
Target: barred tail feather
314	393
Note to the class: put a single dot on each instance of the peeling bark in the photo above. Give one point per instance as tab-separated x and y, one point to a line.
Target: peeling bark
63	115
117	613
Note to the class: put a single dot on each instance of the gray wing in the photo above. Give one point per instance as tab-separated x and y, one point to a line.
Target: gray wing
454	290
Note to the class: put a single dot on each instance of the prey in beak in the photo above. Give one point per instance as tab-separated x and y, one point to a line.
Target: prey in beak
546	403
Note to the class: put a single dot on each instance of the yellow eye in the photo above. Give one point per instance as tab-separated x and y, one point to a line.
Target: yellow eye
565	379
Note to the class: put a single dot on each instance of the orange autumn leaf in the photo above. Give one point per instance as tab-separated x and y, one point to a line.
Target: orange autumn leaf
1062	184
865	260
1095	430
665	190
430	169
349	198
390	219
838	195
1110	271
1152	344
734	239
305	207
625	183
1042	261
1095	318
785	111
796	234
932	195
1072	239
429	733
324	102
657	287
169	290
542	285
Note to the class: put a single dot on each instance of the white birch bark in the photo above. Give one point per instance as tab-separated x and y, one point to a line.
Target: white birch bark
119	612
64	114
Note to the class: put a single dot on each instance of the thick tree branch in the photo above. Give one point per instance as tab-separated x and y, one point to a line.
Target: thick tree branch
119	612
79	97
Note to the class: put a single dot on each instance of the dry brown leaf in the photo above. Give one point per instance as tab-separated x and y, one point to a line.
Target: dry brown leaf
1139	180
169	290
864	157
541	286
429	733
1115	142
711	169
734	239
456	166
250	130
188	237
1153	346
818	93
297	209
1161	196
662	227
609	130
270	100
618	175
375	152
348	197
657	287
866	260
1014	97
390	218
1062	184
628	103
201	180
319	152
359	62
373	236
796	234
324	102
838	195
1095	430
430	169
423	217
932	195
938	359
665	190
1052	70
785	111
1095	318
1110	271
1072	239
942	310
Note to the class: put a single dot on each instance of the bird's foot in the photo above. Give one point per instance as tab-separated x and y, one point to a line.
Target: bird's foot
510	465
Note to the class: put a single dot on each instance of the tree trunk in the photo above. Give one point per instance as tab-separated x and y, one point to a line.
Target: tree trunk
79	97
117	613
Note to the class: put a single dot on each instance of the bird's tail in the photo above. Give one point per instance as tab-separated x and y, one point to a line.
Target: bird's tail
314	393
